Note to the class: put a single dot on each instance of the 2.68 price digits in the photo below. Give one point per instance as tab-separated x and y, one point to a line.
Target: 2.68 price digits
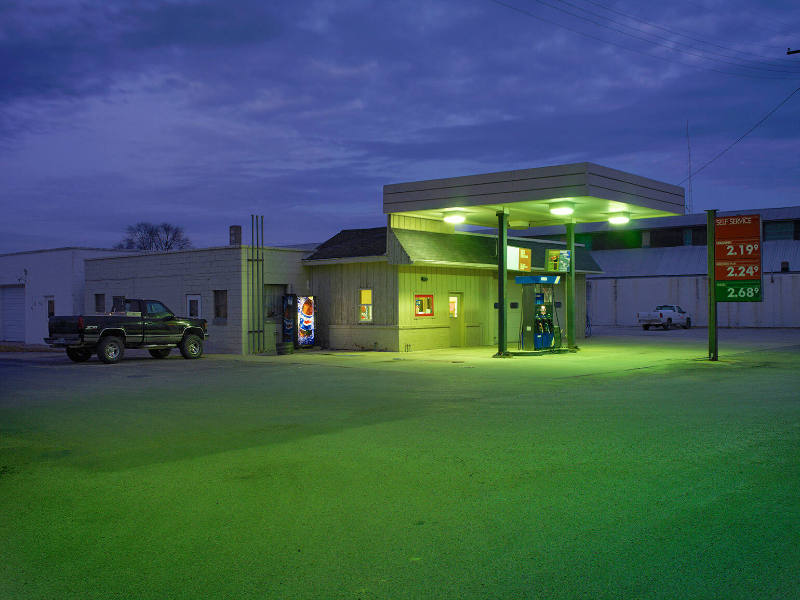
742	271
742	292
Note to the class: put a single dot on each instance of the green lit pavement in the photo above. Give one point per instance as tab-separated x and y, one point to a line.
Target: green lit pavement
632	469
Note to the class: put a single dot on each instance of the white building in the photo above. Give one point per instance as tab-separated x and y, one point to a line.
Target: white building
37	284
664	261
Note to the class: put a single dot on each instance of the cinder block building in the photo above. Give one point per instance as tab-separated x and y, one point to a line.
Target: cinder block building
237	289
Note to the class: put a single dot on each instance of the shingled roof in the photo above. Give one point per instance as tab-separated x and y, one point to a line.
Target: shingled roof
351	243
457	249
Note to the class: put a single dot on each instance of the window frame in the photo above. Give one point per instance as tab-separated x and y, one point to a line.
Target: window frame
368	305
418	314
220	307
199	298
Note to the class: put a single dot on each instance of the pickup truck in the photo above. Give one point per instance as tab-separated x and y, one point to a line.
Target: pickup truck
665	315
134	323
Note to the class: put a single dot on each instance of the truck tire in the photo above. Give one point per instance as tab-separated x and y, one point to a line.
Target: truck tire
688	324
110	349
667	324
646	327
191	346
79	354
160	352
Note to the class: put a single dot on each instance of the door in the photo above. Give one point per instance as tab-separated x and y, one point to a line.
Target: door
12	313
159	325
458	330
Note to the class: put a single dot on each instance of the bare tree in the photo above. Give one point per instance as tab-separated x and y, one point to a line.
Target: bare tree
147	236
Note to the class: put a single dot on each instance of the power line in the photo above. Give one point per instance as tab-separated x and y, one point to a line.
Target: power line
671	45
761	58
532	15
744	135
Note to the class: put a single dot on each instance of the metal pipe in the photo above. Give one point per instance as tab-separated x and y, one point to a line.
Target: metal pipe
711	243
502	274
261	290
571	286
250	286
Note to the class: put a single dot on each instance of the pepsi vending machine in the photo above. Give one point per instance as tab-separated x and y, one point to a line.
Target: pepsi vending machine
298	320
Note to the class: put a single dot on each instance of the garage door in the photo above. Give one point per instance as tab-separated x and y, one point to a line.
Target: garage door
12	313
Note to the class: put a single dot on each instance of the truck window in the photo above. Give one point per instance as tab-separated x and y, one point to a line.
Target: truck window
157	310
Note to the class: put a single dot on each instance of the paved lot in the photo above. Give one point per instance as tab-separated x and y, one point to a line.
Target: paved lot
633	468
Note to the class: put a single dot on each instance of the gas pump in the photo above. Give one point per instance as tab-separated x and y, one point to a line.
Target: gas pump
539	327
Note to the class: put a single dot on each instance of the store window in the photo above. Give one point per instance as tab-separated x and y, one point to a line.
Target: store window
220	307
99	303
423	305
453	302
365	306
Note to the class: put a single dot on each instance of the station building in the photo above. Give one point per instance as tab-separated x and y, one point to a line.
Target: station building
414	284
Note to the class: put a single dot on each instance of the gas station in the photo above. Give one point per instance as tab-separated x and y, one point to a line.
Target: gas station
520	199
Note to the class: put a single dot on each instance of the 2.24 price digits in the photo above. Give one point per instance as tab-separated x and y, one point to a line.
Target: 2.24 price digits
742	271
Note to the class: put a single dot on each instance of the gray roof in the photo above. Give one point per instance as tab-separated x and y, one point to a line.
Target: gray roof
686	260
352	243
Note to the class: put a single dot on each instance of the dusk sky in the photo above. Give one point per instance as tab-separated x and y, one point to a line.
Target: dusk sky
200	113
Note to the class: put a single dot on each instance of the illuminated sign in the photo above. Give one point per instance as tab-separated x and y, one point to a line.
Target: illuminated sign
518	259
558	260
305	320
737	258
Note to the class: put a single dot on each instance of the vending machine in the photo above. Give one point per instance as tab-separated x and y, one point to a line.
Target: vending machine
299	313
539	326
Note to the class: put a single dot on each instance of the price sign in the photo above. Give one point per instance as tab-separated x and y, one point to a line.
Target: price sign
749	249
738	291
737	270
737	254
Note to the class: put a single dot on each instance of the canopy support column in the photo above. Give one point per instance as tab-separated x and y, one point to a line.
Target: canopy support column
571	286
502	274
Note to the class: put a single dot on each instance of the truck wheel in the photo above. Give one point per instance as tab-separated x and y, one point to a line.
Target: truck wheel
79	354
646	327
160	352
688	324
110	350
191	346
668	324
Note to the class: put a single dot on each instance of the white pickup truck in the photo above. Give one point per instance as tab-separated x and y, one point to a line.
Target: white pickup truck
665	315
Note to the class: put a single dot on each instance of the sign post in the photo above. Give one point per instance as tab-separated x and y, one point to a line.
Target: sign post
734	265
713	350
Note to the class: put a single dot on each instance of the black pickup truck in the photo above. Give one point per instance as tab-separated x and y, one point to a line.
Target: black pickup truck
135	323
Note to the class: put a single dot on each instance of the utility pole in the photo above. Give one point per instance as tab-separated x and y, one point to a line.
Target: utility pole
688	209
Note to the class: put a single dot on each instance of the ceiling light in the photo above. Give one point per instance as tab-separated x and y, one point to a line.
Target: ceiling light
455	219
562	209
619	218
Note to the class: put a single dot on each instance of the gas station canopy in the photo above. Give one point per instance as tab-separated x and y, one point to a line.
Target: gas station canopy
532	197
